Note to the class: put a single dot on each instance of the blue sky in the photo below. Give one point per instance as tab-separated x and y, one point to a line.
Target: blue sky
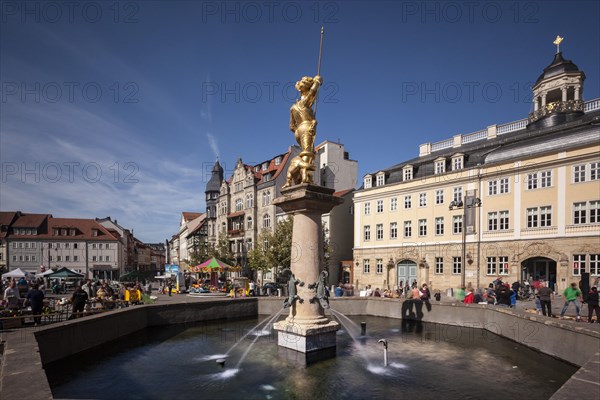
120	109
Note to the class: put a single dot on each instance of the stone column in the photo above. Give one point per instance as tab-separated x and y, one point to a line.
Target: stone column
306	328
564	93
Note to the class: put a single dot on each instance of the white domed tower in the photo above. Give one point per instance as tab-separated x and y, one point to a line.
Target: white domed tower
557	93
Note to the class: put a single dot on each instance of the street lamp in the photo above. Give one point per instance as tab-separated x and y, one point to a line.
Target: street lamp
470	202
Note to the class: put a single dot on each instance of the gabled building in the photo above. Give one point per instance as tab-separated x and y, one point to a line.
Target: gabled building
126	253
40	241
244	208
520	200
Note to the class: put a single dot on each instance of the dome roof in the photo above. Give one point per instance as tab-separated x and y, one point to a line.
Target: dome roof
214	184
558	66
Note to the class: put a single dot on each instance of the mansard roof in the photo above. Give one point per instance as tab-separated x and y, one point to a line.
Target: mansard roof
510	146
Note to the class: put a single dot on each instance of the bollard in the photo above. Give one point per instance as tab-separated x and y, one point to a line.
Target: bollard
363	328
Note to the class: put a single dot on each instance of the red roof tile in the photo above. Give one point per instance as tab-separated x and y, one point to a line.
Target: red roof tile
188	216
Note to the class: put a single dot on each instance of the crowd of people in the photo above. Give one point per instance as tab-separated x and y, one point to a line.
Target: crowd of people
506	295
22	294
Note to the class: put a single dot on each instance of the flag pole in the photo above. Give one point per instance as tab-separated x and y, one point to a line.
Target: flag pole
319	64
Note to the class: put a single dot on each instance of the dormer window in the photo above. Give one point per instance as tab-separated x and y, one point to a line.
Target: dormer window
71	232
278	161
94	232
407	173
440	166
380	179
265	166
55	231
367	182
257	169
457	162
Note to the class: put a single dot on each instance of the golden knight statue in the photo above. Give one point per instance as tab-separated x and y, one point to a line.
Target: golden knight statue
304	125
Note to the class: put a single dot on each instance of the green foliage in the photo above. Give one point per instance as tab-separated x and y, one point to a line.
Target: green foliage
278	252
222	251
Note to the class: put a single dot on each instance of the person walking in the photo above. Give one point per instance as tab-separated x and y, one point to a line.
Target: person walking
571	294
592	303
546	296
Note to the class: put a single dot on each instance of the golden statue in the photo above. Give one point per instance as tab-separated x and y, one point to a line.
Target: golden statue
557	42
304	125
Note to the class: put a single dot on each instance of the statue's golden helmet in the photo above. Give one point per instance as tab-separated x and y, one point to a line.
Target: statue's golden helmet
304	84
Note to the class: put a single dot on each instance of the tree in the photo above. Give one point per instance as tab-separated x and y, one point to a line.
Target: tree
273	249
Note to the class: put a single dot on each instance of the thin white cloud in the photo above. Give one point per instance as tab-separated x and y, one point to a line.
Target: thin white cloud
214	145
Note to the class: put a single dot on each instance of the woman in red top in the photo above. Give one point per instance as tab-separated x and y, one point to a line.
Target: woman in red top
469	297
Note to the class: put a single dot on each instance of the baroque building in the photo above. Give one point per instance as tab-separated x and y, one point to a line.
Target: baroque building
519	200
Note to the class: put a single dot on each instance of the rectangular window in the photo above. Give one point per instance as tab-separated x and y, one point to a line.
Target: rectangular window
492	188
75	258
67	258
380	180
546	216
503	265
579	173
457	163
58	258
457	224
422	199
367	208
440	167
407	174
457	194
14	258
439	265
532	181
366	266
456	265
503	185
367	232
27	258
33	258
393	204
492	221
107	258
393	230
379	206
579	213
439	196
15	245
94	258
21	258
67	245
379	231
422	227
407	229
504	220
546	179
379	266
595	171
578	264
33	245
594	212
367	183
595	264
439	226
408	201
532	217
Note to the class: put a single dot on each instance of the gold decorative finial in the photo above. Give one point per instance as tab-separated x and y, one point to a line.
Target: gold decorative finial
557	42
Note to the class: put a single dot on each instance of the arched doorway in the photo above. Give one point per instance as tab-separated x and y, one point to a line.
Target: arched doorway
407	272
539	269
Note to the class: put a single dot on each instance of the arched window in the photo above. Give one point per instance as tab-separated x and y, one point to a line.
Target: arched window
266	221
249	200
249	222
239	205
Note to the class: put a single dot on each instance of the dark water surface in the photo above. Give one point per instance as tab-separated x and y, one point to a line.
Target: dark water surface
425	362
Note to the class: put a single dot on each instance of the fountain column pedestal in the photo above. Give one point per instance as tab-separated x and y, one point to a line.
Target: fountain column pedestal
307	329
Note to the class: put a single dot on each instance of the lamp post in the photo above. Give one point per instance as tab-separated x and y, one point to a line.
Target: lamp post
470	202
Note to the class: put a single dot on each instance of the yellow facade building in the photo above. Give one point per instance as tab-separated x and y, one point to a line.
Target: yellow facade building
520	201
